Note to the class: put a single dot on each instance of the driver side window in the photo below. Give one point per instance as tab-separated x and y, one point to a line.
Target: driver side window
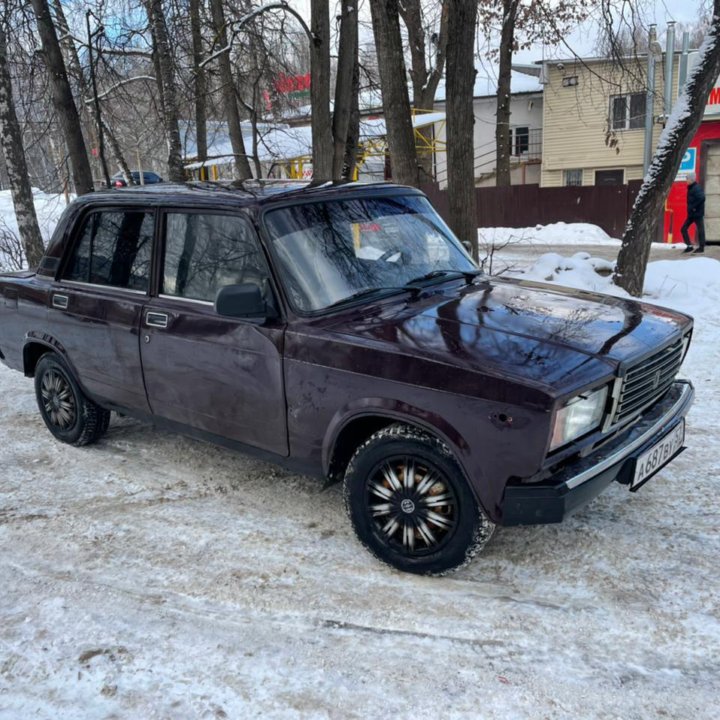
205	252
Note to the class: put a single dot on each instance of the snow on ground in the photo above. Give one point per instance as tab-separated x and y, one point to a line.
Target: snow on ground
151	576
48	206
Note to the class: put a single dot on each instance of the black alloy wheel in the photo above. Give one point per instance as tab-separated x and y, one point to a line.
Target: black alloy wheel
413	506
410	504
68	413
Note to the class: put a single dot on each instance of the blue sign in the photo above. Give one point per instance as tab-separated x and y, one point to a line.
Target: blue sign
688	162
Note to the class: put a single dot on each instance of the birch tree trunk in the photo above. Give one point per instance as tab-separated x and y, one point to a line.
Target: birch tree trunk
13	152
344	84
460	122
63	100
166	83
684	122
502	127
322	137
241	165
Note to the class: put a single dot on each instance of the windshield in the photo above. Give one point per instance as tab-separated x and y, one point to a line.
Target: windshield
332	251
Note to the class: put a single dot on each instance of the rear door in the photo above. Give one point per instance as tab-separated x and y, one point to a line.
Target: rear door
97	301
217	374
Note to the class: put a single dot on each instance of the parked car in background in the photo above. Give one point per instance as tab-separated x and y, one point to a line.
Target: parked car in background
345	332
148	178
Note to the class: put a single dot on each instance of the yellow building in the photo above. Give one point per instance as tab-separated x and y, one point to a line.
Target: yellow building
594	119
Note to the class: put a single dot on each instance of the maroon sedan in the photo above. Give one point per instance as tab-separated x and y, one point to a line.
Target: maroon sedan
344	332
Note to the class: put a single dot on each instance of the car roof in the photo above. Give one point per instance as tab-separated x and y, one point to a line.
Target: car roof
248	193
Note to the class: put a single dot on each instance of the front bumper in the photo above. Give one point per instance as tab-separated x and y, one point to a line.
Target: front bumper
551	500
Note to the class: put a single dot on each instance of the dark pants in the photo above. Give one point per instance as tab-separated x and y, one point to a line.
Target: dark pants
700	226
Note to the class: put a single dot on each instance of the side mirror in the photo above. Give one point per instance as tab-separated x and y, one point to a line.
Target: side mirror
242	301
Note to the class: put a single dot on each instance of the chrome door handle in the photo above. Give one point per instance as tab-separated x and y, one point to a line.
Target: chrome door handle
156	319
60	301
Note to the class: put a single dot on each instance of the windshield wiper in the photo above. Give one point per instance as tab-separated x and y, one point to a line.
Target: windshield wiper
469	276
371	292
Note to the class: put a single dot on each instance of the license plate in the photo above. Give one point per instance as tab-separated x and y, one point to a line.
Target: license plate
658	455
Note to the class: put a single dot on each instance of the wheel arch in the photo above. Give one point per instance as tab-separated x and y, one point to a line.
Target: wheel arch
36	346
351	427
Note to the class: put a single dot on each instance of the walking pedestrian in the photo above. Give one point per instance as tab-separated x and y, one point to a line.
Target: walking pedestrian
695	215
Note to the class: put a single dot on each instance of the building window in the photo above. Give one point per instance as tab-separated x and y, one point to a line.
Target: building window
573	178
610	177
627	112
521	141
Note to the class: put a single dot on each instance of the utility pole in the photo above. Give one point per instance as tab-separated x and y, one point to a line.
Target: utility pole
654	52
669	68
682	76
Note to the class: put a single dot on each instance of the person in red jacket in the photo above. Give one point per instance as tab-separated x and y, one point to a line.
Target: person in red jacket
695	215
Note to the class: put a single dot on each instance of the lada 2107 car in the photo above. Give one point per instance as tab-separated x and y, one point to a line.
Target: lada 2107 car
345	332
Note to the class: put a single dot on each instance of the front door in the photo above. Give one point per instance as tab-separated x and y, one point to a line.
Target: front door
217	374
96	304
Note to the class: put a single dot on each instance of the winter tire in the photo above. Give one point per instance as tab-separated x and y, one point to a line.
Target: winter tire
69	415
410	505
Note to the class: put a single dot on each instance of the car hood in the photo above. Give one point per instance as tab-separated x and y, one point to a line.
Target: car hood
548	335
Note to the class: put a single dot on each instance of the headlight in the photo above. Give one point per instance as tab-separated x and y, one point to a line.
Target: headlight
578	417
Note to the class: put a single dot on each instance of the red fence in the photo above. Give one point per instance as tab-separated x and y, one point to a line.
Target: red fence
528	205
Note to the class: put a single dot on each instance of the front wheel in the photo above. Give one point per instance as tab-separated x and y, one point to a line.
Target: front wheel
69	415
410	504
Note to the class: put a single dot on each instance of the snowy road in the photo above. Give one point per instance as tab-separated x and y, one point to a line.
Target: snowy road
151	576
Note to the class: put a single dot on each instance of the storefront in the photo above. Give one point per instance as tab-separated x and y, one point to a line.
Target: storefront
702	158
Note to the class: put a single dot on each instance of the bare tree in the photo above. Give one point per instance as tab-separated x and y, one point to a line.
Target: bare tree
12	145
682	125
522	22
396	102
345	85
460	120
241	164
322	138
427	64
63	100
200	84
162	57
504	91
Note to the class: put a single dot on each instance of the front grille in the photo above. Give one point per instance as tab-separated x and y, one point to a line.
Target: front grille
648	381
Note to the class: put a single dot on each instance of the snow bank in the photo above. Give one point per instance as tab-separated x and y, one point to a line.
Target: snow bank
580	271
49	207
690	285
555	234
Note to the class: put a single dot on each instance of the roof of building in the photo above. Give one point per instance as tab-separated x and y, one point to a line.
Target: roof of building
284	142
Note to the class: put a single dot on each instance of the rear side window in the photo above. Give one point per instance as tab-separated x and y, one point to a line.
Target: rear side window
114	249
204	253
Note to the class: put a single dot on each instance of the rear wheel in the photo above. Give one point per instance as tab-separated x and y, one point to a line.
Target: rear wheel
67	412
410	504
